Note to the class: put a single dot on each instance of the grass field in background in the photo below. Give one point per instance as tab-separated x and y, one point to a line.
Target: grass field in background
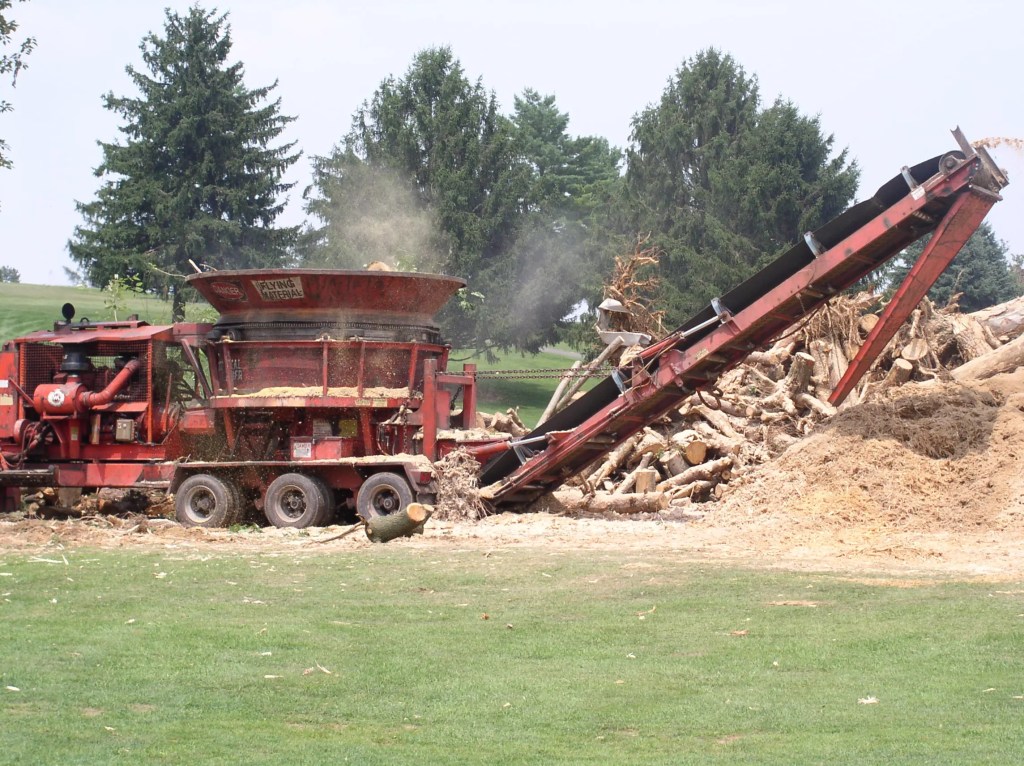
408	655
26	308
530	395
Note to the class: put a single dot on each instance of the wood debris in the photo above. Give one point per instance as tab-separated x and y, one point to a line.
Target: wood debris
780	394
458	495
634	283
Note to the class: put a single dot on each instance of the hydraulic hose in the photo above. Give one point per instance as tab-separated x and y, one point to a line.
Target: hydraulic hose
92	399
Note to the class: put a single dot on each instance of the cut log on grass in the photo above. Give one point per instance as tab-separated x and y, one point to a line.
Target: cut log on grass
572	501
381	529
1003	359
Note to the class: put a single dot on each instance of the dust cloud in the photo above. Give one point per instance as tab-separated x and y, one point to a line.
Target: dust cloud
379	218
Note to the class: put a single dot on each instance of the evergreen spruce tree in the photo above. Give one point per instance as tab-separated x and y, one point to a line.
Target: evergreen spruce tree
197	177
432	176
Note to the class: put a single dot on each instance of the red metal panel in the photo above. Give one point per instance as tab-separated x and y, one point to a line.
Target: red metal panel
198	422
9	396
103	335
113	474
299	294
428	411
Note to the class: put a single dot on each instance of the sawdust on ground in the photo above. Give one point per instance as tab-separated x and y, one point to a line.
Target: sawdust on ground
924	481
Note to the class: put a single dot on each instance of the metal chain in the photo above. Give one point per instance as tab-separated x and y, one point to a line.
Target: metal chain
545	373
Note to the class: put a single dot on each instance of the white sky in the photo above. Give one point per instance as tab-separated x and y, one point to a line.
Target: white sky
889	79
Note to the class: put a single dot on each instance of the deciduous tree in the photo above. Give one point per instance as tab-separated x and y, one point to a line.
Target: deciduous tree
500	201
723	185
12	63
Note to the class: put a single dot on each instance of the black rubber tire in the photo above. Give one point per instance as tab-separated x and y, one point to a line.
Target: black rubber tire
207	501
327	515
296	500
381	494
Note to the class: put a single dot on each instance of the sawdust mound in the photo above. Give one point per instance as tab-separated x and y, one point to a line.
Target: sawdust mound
922	458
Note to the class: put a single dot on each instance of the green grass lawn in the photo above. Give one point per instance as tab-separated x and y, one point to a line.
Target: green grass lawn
508	656
26	308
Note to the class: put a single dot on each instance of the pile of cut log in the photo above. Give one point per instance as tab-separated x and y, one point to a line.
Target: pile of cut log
778	395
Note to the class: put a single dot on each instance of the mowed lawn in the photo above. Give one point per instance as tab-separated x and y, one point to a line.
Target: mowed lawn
413	654
27	308
523	381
